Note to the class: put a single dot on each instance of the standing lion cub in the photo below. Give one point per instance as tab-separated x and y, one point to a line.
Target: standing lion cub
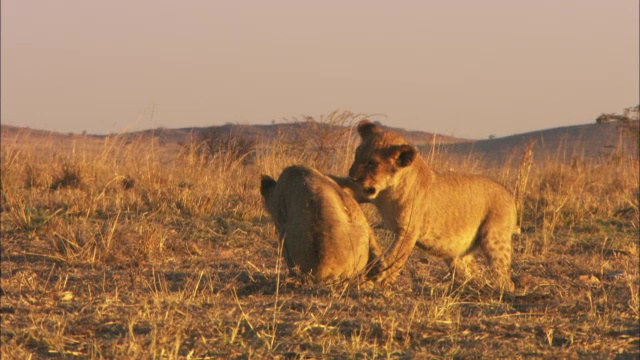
448	215
324	231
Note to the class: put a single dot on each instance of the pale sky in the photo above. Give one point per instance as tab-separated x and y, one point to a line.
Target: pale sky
466	68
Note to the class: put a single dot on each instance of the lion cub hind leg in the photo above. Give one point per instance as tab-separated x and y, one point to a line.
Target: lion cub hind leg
496	247
462	269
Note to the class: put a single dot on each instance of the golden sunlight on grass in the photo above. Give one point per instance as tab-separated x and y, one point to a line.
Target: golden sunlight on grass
113	248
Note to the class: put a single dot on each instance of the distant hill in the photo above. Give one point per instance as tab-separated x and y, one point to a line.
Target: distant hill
10	131
260	133
588	140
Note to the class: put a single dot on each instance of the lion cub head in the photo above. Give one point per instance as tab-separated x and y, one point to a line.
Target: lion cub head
379	158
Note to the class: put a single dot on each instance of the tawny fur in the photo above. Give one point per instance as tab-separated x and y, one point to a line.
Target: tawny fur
448	215
324	231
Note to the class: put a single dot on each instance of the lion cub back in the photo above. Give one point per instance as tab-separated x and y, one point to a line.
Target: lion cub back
324	231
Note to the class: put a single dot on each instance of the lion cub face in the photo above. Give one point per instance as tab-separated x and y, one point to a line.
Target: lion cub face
380	157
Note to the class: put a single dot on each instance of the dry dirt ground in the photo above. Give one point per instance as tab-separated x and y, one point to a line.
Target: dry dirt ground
226	296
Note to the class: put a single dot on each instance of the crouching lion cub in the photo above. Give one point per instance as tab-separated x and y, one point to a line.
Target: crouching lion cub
448	215
324	231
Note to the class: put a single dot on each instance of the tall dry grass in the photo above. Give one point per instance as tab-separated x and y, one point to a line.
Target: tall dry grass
123	209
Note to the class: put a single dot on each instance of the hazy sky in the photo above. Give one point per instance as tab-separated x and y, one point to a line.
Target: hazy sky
467	68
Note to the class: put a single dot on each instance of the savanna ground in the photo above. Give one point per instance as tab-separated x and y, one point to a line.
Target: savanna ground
120	249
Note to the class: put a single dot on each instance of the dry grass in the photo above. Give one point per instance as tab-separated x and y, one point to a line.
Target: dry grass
129	250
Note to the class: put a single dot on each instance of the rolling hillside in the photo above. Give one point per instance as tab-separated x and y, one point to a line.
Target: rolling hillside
590	140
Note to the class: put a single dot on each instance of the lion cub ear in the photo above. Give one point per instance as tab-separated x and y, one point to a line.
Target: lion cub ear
404	154
267	184
366	128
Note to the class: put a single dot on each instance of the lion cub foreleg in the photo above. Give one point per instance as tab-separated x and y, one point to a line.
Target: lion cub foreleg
376	263
401	248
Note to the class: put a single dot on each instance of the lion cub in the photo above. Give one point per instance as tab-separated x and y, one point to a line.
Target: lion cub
448	215
324	231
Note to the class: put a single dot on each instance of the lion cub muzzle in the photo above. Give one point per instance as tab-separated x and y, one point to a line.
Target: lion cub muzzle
366	192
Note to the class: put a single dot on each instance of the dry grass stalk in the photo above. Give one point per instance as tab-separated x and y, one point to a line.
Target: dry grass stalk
522	179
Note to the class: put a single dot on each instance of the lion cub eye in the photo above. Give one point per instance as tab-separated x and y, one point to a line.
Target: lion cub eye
372	164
